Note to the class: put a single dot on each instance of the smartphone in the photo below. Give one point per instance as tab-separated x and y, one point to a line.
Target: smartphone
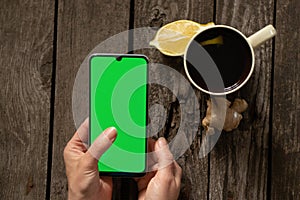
118	97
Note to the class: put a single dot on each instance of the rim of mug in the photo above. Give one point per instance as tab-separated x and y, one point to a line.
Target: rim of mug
225	92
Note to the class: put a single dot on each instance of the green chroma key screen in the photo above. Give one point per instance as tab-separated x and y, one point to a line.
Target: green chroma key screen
118	97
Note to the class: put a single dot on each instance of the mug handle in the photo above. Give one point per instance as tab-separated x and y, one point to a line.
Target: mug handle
262	36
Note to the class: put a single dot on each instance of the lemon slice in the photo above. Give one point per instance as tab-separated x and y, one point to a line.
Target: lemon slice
173	38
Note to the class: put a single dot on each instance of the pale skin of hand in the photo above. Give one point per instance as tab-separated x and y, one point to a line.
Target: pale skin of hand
83	175
82	168
163	184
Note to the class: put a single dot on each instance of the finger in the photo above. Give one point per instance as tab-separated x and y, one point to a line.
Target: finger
164	157
83	132
142	183
106	182
100	145
77	142
177	172
106	185
142	195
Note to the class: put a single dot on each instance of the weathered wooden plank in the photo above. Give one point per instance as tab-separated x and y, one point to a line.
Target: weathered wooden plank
154	13
286	108
26	38
239	162
81	26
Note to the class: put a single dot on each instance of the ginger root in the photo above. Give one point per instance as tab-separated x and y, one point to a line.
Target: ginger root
232	119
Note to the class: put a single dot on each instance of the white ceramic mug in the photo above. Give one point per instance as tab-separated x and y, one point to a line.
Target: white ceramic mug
222	52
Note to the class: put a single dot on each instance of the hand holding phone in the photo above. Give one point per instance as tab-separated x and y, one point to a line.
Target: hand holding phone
83	176
164	182
82	165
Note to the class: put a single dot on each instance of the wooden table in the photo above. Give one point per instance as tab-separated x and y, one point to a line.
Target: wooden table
43	44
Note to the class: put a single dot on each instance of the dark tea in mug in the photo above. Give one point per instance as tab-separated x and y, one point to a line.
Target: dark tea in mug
231	54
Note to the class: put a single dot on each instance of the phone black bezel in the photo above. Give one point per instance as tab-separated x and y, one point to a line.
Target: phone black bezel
120	174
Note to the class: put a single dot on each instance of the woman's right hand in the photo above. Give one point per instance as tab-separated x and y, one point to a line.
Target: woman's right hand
163	184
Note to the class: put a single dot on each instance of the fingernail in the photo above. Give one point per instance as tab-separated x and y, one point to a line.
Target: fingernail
162	142
111	133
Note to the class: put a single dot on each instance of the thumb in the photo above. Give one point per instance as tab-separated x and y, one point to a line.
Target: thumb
164	157
100	145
